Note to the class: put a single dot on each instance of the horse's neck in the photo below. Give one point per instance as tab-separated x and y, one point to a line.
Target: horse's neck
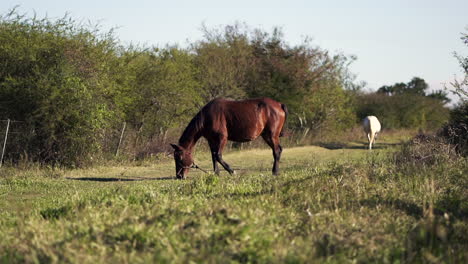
191	135
189	142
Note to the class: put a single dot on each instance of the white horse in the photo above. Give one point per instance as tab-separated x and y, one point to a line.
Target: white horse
371	126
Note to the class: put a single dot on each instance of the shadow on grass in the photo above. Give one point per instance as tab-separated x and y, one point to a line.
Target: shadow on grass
362	145
411	208
283	187
113	179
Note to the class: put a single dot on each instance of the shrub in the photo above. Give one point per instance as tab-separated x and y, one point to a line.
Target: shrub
57	76
456	131
425	150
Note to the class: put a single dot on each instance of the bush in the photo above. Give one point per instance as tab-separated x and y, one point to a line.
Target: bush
163	91
456	131
57	76
425	150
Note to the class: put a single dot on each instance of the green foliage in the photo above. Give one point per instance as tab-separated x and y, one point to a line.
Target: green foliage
223	59
237	62
56	76
461	85
440	95
416	86
456	131
403	111
163	91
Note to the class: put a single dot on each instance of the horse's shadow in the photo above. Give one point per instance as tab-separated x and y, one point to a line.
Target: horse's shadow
117	179
362	145
411	208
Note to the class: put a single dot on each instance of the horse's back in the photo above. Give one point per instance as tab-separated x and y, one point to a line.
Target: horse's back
258	110
242	120
249	108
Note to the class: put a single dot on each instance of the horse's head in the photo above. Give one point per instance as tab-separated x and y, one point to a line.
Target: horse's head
183	161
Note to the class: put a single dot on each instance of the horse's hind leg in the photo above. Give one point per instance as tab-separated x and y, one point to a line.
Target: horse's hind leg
273	142
368	140
371	141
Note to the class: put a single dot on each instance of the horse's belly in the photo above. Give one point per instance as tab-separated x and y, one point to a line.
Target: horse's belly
244	135
241	139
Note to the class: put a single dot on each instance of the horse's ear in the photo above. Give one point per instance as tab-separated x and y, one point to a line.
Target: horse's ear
176	147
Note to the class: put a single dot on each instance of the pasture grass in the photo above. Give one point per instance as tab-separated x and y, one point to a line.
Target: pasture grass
329	205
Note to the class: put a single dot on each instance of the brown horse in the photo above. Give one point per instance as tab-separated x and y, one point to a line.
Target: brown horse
240	121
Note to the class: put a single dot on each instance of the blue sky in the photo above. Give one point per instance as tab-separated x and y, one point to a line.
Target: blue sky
393	40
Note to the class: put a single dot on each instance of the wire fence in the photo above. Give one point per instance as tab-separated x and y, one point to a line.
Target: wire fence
14	137
17	139
18	142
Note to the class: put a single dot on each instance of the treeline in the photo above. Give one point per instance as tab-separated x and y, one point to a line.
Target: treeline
406	105
74	85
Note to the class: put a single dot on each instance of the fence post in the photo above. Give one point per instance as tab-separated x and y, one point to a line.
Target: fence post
4	142
121	137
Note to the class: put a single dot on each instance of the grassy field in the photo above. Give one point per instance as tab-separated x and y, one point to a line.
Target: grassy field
337	203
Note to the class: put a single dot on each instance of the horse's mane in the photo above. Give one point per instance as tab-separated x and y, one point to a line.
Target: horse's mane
193	129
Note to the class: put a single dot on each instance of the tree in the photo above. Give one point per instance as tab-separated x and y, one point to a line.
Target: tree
440	95
222	59
306	78
237	62
456	131
163	90
461	86
416	86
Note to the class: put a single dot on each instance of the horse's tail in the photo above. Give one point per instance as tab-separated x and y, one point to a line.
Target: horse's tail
285	109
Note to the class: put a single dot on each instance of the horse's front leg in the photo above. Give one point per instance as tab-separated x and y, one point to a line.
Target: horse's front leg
219	158
217	147
215	162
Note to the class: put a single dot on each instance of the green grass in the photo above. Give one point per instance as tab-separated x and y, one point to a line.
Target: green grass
328	205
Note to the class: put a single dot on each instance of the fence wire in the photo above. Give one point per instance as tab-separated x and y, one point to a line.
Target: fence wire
122	140
14	139
21	142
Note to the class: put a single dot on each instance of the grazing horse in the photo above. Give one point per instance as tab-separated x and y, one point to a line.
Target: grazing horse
371	126
221	120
